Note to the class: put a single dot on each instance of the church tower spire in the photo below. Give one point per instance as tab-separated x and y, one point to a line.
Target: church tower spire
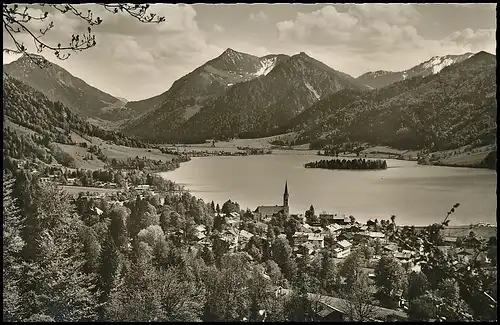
285	195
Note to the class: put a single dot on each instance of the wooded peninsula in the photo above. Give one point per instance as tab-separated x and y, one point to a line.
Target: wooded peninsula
361	164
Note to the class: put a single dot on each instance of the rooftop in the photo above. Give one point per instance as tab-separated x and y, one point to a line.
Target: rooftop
344	243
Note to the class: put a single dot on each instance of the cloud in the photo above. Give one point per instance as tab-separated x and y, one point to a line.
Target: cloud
218	28
260	16
138	60
379	37
363	26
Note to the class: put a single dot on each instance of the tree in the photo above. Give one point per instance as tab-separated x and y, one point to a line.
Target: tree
367	251
422	309
229	207
12	246
311	218
110	269
359	302
299	308
227	289
328	275
17	18
281	252
389	277
351	268
417	285
91	249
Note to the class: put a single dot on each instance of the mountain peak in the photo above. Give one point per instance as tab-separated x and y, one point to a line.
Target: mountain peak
483	53
231	51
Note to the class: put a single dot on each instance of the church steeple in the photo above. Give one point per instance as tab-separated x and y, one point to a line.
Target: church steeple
285	195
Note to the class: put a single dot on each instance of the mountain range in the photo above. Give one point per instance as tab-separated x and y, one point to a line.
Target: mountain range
381	78
240	95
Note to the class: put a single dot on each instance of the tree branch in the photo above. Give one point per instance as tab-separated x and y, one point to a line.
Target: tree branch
15	20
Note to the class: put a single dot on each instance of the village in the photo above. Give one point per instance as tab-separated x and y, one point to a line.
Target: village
315	233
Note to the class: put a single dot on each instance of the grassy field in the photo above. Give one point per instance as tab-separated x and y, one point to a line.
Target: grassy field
110	150
233	145
122	153
78	153
465	155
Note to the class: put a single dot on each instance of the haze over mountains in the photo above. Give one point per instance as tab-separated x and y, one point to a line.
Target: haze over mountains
241	95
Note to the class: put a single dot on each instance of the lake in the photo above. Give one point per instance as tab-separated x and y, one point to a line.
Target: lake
417	195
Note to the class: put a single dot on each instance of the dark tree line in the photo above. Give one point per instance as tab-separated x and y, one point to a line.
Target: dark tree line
360	164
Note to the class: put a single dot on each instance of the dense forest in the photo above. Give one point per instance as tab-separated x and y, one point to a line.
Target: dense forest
53	121
351	164
443	111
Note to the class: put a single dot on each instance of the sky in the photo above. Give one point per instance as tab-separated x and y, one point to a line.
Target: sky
135	61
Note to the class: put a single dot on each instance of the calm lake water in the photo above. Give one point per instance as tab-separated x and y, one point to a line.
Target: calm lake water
416	194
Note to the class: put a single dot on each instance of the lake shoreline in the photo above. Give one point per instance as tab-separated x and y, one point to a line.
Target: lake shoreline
416	194
227	151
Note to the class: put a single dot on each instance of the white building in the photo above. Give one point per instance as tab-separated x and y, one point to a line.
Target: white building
342	249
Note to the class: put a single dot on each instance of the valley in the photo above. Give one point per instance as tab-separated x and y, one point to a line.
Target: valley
198	163
437	113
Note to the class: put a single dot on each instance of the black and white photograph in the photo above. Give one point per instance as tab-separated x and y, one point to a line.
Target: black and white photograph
211	162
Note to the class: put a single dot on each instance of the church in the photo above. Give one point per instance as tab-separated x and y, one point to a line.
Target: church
267	211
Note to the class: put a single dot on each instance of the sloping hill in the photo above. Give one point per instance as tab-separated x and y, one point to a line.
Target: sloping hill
190	93
34	124
257	107
447	110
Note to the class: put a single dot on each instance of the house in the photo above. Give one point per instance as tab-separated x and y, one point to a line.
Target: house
337	309
450	240
369	235
376	234
341	220
233	223
141	187
402	256
342	248
316	230
282	236
200	232
201	229
300	237
97	211
391	248
231	237
200	236
334	229
234	214
45	179
244	237
328	217
70	181
317	240
346	236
